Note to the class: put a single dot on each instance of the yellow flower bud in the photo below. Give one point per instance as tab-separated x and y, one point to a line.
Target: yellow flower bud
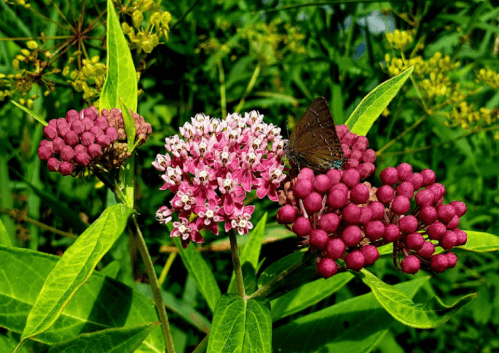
137	18
15	64
25	52
22	101
166	17
32	45
30	104
155	18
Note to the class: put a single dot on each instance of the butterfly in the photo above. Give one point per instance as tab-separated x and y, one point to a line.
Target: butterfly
314	142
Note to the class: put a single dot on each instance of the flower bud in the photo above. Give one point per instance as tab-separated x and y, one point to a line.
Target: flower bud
352	235
88	123
405	189
389	176
318	238
414	241
439	263
71	138
374	230
445	213
50	132
392	233
112	133
63	128
67	153
302	188
356	154
322	184
72	116
461	237
286	214
366	169
335	248
90	113
79	149
404	171
416	180
53	164
102	123
425	198
341	130
377	210
427	214
385	194
365	215
427	250
351	214
436	231
327	267
352	164
361	144
451	259
459	207
400	205
350	178
306	173
429	177
449	240
94	150
96	131
66	168
103	140
359	194
454	223
334	175
302	226
44	153
438	190
329	222
83	159
78	127
337	199
369	156
371	254
313	202
410	264
355	260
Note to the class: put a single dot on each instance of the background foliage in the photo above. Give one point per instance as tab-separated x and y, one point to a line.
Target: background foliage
277	56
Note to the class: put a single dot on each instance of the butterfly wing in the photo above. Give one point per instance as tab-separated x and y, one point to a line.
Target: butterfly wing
314	142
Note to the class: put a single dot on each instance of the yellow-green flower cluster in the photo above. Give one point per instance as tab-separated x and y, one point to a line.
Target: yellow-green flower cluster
488	77
89	79
23	3
269	44
31	73
400	40
467	116
144	37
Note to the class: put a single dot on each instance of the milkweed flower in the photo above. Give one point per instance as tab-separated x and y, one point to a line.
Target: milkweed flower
211	166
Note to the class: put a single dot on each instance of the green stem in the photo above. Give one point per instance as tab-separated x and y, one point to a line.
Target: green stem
185	14
153	280
223	99
267	287
168	264
252	82
237	263
409	129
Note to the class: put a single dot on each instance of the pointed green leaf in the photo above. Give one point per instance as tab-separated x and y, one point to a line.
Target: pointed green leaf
250	254
481	242
30	112
403	309
7	345
113	340
371	107
240	326
129	125
307	295
202	274
354	325
121	80
99	304
74	268
4	236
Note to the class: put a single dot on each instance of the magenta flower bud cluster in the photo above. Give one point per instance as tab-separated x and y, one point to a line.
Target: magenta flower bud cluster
356	152
212	165
345	220
84	138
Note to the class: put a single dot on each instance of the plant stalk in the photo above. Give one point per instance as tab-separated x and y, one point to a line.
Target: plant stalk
156	290
237	263
252	82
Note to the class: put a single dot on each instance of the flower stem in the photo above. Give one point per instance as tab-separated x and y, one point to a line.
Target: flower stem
168	264
267	287
237	263
156	290
249	88
409	129
223	99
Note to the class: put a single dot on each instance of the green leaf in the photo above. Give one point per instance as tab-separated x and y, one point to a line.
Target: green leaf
129	125
4	236
8	345
250	254
279	266
121	80
481	242
240	326
99	304
30	112
200	272
113	340
74	268
127	181
403	309
307	295
354	325
371	107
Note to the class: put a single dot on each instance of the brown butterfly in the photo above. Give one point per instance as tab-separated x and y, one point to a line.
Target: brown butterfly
314	142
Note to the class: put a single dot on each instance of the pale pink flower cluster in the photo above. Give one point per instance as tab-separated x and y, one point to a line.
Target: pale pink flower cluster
212	165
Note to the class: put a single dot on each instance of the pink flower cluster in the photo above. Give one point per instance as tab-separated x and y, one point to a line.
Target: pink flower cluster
85	138
346	220
211	169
